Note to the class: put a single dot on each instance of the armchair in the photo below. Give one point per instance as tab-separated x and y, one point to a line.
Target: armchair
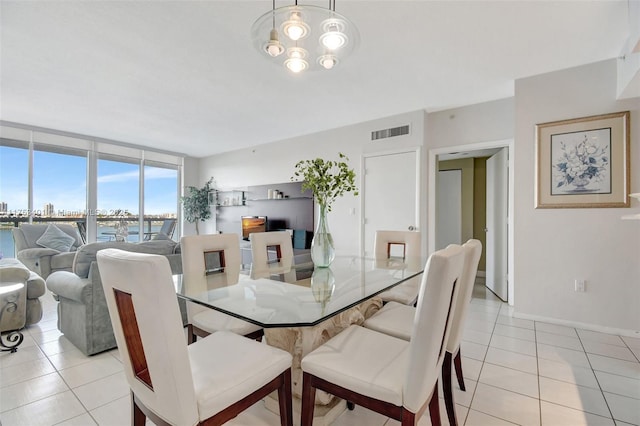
13	271
42	260
83	315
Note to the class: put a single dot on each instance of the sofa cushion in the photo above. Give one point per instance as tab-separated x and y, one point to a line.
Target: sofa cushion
62	261
35	286
56	239
32	232
12	270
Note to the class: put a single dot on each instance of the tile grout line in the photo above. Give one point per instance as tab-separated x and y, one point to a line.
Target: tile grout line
480	374
535	338
596	377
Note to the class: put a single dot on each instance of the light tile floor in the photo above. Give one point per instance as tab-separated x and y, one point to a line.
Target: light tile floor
516	372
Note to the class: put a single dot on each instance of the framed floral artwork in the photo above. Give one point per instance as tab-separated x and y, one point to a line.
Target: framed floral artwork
583	162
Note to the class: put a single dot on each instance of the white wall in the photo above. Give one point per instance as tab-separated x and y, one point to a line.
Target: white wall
274	163
485	122
553	247
190	177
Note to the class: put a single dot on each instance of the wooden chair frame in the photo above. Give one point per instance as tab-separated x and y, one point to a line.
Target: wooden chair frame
282	383
310	383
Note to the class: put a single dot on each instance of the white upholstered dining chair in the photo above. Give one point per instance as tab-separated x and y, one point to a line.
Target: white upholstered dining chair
397	320
208	262
394	377
208	382
387	243
280	245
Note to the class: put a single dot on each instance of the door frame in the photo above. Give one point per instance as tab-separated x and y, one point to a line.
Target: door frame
431	199
363	188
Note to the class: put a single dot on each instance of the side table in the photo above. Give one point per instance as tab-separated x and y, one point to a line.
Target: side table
13	305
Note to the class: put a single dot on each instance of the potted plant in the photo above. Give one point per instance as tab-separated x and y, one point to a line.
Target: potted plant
328	180
196	204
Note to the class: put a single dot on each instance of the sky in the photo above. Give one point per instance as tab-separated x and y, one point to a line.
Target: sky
60	179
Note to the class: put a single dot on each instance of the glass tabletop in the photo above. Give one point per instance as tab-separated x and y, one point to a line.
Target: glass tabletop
292	292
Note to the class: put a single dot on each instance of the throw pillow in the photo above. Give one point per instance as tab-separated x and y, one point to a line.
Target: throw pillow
56	239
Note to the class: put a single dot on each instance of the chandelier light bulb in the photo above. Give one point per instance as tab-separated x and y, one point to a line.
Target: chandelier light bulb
295	32
327	61
296	62
295	28
333	40
296	65
333	37
274	47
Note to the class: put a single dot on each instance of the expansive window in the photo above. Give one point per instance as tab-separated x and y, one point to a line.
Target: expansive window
118	198
160	197
14	192
59	185
49	176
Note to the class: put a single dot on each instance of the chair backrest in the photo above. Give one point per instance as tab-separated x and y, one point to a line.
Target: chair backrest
385	242
210	261
432	321
148	328
168	226
472	251
82	229
261	242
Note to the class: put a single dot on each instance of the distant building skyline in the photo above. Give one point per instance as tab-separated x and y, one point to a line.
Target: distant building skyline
49	210
61	179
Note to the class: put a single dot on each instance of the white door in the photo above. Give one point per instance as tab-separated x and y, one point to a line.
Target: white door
390	195
448	208
497	202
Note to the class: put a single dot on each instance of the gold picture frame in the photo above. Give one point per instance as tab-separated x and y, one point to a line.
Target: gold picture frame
583	162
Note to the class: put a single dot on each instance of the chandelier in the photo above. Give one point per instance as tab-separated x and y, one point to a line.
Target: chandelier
302	37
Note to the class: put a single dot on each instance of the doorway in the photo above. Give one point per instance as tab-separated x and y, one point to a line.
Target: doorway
471	161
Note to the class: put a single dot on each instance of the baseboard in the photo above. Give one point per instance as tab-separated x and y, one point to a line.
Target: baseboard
481	274
581	325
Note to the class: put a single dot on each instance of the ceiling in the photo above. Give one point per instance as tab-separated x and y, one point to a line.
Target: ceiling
183	76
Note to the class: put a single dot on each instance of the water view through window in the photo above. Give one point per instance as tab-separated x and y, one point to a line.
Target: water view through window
59	192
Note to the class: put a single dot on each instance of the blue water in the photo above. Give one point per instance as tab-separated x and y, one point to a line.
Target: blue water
6	243
7	248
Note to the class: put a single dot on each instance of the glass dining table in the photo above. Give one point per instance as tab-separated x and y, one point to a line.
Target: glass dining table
294	293
301	306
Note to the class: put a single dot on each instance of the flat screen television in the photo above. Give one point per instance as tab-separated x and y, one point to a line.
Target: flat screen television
251	224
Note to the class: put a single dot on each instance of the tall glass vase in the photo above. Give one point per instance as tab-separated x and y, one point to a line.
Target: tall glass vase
322	250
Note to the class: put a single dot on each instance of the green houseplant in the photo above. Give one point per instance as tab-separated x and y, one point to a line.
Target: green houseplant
195	204
328	180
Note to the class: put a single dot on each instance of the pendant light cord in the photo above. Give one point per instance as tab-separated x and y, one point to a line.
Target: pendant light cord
273	14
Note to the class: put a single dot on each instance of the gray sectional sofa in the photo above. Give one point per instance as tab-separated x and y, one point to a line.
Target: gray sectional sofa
83	316
13	271
43	260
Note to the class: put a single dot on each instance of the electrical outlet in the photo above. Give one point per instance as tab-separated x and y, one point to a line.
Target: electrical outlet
579	286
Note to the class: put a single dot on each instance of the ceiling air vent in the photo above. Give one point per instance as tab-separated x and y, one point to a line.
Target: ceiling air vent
389	133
